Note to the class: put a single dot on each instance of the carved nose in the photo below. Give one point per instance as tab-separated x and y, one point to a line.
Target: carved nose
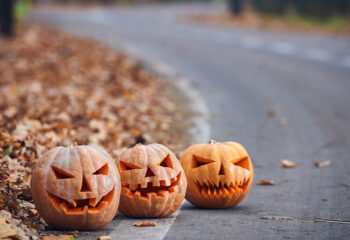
222	170
85	186
149	173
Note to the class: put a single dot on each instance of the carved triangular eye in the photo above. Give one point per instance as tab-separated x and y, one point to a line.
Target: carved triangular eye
123	166
200	161
241	162
60	174
103	170
166	162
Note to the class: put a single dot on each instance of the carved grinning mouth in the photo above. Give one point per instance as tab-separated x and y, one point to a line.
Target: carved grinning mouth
221	190
150	189
81	206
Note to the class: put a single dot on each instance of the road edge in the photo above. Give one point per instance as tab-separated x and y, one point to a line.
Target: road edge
200	132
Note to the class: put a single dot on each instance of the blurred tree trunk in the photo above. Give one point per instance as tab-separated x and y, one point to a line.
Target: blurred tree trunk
6	17
235	6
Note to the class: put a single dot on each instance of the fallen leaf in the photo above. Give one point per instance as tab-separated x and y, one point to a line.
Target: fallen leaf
10	112
271	113
264	182
7	230
145	224
277	218
288	164
59	237
322	164
105	237
11	228
57	89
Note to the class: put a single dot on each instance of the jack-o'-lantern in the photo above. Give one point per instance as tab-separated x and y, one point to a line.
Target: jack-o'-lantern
76	187
219	174
153	181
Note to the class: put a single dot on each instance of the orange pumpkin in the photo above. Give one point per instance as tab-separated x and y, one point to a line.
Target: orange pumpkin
153	181
76	188
219	174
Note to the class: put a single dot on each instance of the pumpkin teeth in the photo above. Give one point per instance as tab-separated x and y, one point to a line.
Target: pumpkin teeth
155	183
85	209
64	207
159	188
171	189
144	184
149	195
225	192
92	202
231	190
81	206
221	189
162	193
137	193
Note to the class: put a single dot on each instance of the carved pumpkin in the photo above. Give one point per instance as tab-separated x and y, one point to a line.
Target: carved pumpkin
219	174
76	188
153	181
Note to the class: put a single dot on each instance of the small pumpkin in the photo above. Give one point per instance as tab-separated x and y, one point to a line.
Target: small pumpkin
153	181
76	188
219	175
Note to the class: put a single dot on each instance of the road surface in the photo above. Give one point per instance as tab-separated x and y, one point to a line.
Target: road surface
302	80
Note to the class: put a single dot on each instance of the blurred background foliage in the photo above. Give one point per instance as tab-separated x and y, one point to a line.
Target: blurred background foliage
21	8
329	13
315	8
332	14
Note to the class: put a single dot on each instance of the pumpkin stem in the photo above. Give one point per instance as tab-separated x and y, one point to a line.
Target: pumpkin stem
212	141
74	144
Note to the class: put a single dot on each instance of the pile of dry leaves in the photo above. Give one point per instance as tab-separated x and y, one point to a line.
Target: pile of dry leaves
56	89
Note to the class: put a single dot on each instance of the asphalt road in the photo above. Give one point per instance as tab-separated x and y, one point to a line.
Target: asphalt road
241	75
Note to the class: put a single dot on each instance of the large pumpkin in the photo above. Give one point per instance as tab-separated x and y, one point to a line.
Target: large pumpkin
219	174
153	181
76	188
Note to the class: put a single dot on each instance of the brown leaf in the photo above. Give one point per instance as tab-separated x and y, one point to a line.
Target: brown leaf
264	182
271	113
322	164
288	164
57	89
145	224
7	230
105	237
59	237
